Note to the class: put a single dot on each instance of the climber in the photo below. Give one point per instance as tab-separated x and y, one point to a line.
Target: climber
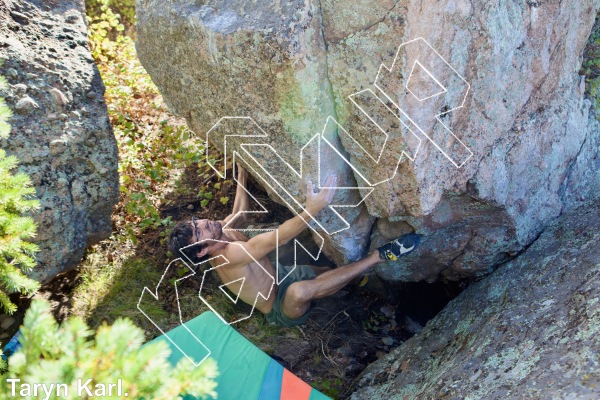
289	303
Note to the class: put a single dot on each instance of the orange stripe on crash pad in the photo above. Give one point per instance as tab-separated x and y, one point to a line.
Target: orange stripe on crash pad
293	388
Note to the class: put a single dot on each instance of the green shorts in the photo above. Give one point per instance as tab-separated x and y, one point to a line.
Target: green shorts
276	315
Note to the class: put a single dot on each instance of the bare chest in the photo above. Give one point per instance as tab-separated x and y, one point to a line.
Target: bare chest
254	283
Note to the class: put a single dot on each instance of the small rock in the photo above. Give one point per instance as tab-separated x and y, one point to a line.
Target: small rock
46	24
14	27
4	336
63	117
25	158
20	88
72	18
190	207
58	97
388	341
7	322
12	72
26	104
19	17
388	310
57	146
91	94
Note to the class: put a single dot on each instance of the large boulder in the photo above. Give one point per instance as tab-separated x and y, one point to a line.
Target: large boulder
519	151
60	128
529	330
267	63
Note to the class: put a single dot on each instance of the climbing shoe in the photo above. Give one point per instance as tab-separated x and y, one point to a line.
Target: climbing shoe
363	281
399	247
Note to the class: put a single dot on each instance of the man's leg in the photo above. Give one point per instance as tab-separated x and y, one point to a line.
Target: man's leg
299	295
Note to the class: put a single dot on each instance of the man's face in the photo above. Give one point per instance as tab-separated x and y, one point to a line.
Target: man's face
205	229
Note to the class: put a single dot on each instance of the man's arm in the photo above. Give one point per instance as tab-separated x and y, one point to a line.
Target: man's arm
241	202
261	245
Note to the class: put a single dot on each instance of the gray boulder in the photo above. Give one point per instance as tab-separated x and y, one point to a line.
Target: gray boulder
529	330
523	139
60	128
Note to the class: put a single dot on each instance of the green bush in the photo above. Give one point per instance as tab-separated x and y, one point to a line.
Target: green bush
66	353
16	198
154	147
124	8
5	112
104	30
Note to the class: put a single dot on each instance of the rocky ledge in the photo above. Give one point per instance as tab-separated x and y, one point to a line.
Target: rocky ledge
531	329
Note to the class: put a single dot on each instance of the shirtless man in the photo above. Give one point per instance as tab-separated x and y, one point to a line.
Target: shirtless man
289	302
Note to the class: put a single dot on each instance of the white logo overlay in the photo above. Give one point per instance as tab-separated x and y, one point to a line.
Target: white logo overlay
432	81
404	250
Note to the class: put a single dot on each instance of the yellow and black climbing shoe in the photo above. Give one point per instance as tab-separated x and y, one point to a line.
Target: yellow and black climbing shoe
399	247
363	281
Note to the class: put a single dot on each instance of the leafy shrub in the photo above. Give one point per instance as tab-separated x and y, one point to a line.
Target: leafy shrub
66	353
151	155
125	9
16	198
5	112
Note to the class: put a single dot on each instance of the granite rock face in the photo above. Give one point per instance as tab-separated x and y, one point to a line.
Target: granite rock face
529	330
60	128
265	62
524	139
462	238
